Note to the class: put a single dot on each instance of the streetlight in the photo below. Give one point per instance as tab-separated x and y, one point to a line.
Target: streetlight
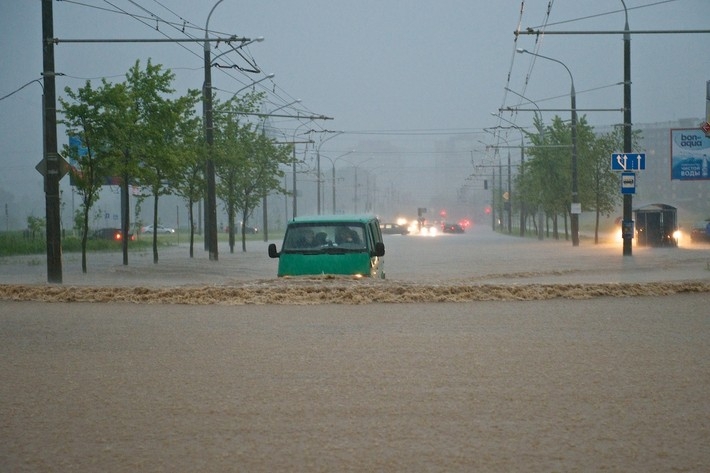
335	133
268	76
211	201
542	131
628	198
264	206
332	163
500	186
510	192
293	142
575	210
493	181
282	106
355	184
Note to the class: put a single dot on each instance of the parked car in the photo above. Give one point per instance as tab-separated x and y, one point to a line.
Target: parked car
452	228
158	229
700	231
115	234
393	229
247	229
335	244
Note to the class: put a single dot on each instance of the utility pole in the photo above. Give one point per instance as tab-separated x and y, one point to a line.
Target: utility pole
211	197
628	198
51	156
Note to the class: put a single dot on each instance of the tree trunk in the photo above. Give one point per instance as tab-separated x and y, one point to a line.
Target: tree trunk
155	228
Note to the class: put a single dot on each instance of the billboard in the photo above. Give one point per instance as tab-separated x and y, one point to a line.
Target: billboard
690	154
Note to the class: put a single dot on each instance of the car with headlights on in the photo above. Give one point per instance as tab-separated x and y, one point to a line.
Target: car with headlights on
115	234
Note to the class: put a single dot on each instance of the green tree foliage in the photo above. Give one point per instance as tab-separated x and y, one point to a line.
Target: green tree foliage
189	180
35	225
159	126
248	164
141	133
546	179
90	115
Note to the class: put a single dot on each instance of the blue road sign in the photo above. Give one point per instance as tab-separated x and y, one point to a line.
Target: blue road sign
628	161
628	183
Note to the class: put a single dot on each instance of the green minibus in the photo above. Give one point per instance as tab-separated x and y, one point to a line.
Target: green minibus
332	245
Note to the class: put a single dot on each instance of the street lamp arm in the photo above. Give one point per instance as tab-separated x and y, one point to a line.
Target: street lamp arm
245	42
268	76
521	51
575	203
207	25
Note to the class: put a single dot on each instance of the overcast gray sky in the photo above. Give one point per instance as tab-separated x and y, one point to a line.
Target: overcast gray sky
399	77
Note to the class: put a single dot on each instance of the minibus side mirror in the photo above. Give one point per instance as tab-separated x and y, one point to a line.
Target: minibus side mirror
273	253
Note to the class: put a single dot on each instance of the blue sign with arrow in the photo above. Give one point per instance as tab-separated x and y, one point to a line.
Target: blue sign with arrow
628	161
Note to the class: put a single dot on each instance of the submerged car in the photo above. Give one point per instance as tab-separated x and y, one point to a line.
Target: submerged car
332	245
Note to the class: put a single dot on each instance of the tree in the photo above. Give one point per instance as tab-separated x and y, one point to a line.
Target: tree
262	175
90	121
189	182
160	121
548	171
546	180
247	163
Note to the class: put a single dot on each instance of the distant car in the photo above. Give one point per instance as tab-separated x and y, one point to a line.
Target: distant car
158	229
247	229
115	234
452	228
393	229
700	231
428	229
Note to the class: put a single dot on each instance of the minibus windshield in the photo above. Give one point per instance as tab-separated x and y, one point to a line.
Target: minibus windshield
324	236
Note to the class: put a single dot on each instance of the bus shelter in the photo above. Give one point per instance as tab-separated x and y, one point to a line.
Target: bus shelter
656	225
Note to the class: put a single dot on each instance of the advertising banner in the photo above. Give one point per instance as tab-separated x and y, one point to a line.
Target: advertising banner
690	154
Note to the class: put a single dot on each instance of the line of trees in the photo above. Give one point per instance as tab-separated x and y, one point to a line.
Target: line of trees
544	180
139	133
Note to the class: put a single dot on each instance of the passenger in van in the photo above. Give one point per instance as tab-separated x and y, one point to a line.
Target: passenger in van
345	235
305	239
321	239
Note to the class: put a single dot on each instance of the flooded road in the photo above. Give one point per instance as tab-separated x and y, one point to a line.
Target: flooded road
473	266
615	384
479	352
